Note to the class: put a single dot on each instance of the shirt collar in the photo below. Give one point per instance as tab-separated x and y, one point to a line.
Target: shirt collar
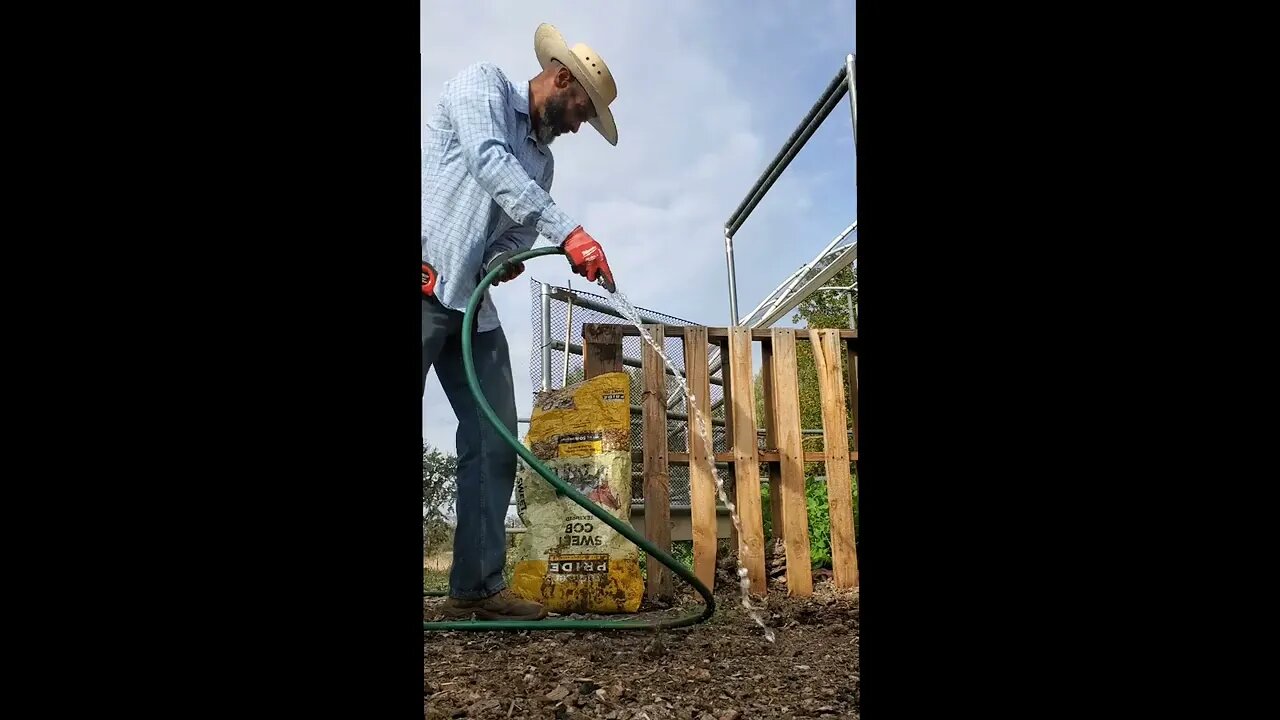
520	98
520	101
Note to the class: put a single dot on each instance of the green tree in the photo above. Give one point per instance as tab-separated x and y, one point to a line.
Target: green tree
439	491
819	311
830	309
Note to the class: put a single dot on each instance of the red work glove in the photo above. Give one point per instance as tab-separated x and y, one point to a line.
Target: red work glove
511	272
587	258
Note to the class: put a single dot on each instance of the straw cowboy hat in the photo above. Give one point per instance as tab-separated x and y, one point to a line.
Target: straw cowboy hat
588	68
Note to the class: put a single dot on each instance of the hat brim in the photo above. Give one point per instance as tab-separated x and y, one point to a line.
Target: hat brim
548	45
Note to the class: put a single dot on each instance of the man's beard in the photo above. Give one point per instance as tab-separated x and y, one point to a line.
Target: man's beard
551	120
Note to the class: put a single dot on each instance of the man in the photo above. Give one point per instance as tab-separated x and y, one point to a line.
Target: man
487	173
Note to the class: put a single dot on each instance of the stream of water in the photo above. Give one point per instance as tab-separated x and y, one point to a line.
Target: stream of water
704	428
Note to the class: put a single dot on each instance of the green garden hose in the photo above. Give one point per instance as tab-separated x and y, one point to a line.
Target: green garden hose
468	323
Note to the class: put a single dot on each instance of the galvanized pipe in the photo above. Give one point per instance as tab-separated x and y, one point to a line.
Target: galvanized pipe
795	148
576	349
733	279
812	120
546	338
568	329
853	96
843	258
754	319
599	307
776	291
837	85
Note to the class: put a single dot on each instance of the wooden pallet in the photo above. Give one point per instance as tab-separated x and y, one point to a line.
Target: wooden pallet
835	354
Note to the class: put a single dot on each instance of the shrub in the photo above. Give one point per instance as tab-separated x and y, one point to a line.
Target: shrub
819	512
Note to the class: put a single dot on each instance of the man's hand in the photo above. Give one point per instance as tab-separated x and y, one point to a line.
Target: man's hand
511	272
587	258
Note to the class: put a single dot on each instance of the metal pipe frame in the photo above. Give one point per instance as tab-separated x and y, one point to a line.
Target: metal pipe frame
851	76
847	255
843	83
836	85
546	337
568	331
733	280
783	293
773	176
783	288
576	349
588	303
790	154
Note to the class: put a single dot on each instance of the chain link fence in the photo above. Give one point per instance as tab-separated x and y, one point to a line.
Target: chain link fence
565	316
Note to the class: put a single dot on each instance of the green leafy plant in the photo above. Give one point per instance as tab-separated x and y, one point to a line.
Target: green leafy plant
819	513
682	550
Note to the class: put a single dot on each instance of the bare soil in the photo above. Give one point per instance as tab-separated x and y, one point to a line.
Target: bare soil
723	669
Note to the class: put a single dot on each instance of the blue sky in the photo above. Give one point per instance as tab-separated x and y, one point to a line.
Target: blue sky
707	93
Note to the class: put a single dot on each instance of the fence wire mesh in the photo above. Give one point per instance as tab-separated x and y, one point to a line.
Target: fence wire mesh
566	319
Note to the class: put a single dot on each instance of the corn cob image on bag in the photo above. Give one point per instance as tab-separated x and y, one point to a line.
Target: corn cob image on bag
568	559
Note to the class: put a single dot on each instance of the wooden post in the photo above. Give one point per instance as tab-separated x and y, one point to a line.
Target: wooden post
835	441
791	452
657	481
851	368
746	460
771	437
855	414
702	484
601	349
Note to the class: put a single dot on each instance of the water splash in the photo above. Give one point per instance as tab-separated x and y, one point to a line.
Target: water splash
625	307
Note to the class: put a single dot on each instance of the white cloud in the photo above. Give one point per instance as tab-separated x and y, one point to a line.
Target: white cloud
691	143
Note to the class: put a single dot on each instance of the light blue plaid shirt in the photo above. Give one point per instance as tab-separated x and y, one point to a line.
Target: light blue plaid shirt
485	184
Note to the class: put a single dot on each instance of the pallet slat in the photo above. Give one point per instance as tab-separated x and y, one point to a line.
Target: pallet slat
835	354
766	457
851	369
717	333
601	350
844	555
795	514
657	480
702	484
746	460
771	438
726	376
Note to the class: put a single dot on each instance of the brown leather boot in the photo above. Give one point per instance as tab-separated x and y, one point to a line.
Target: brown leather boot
502	606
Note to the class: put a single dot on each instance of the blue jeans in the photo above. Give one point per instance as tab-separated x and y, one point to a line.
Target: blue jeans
486	463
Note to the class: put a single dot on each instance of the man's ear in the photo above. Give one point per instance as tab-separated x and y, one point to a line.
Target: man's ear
564	78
